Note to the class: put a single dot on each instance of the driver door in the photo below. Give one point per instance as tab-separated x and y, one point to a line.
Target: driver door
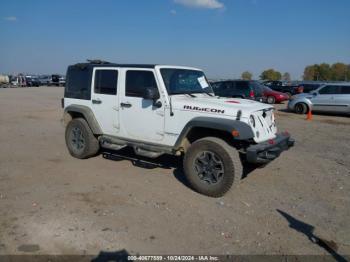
325	99
140	119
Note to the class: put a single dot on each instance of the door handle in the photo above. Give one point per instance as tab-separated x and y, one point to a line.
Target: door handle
127	104
96	101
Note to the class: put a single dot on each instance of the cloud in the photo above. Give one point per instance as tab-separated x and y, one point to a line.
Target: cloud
173	12
10	18
207	4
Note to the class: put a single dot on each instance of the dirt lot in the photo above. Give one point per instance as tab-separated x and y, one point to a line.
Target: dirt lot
51	203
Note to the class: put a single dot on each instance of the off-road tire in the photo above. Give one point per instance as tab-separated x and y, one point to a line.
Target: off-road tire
91	145
301	108
229	157
271	100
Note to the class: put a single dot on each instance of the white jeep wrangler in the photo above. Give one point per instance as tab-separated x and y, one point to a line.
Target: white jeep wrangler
159	109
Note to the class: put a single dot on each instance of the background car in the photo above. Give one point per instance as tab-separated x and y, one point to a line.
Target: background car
44	80
55	80
330	98
62	81
32	81
239	88
18	81
290	88
273	96
309	86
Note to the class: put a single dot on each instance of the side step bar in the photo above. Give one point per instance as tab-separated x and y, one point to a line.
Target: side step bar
117	144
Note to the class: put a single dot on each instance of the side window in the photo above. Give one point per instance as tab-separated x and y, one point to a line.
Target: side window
78	83
217	85
222	86
228	85
106	82
330	90
242	85
345	90
137	81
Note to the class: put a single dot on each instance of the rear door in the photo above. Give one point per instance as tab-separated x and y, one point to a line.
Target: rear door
342	100
104	98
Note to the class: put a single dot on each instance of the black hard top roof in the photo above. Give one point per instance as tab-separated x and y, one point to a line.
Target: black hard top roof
235	80
100	63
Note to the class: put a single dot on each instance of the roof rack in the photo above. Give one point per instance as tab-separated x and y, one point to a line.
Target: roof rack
97	61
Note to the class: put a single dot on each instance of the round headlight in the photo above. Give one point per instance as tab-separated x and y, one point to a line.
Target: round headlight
252	120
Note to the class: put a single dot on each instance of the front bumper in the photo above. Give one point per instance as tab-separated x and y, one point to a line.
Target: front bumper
267	151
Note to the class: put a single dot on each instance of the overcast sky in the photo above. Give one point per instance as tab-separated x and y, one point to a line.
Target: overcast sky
223	37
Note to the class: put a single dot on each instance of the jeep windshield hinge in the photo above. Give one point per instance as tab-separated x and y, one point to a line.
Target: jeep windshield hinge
171	106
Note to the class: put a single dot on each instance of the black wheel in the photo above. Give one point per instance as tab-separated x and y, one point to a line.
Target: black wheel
211	166
80	140
271	100
301	108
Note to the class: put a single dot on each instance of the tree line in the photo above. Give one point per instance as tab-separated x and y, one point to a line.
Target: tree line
316	72
269	74
327	72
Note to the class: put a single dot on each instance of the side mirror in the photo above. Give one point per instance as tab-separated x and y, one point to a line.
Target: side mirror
314	94
151	93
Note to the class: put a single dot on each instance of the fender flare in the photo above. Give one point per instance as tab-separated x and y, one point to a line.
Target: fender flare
222	124
88	115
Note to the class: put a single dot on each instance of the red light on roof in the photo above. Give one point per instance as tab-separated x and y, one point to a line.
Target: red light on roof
233	102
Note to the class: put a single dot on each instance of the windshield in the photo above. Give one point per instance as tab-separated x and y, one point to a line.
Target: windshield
185	81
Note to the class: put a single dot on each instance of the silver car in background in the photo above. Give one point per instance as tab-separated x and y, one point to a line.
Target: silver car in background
330	98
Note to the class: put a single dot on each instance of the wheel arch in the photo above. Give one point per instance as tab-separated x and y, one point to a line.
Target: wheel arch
75	111
305	102
201	127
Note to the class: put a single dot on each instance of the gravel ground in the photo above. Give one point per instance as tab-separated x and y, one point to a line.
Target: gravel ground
51	203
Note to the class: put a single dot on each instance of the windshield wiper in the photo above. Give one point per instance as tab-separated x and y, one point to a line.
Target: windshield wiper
184	93
192	93
208	93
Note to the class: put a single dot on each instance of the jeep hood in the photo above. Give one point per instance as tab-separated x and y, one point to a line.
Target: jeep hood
217	105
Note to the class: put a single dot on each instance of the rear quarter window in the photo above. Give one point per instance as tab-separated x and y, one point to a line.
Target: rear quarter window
78	83
345	90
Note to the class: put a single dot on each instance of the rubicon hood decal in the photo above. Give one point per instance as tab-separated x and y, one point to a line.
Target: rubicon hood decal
204	109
